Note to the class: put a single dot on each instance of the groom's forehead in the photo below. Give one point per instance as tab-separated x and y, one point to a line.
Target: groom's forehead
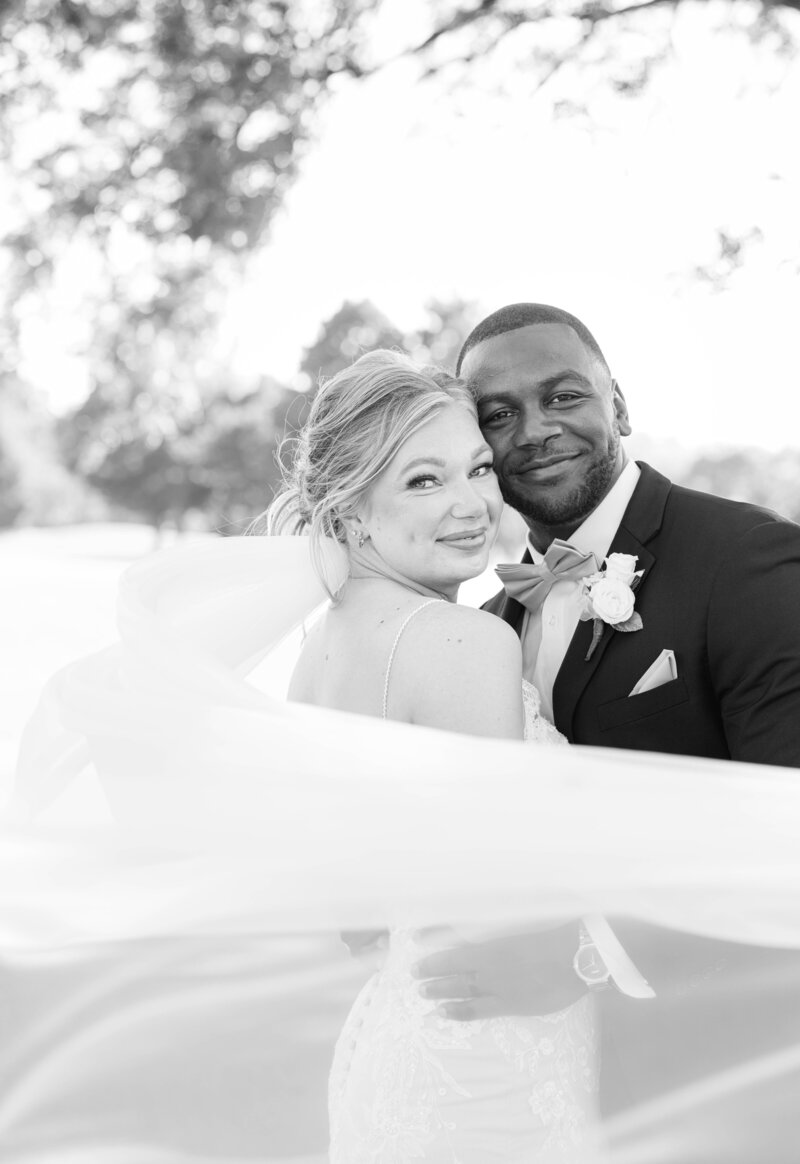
533	352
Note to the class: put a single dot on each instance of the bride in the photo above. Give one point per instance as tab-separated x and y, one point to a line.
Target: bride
392	464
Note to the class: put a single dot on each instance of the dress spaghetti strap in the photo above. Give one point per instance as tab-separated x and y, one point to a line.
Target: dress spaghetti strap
406	621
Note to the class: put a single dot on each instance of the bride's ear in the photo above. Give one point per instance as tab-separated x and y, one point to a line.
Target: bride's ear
356	531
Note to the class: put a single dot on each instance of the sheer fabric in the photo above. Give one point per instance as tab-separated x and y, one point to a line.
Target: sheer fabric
408	1083
174	983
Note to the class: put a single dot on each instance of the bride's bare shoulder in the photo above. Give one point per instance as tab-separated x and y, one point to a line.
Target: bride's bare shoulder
465	626
461	669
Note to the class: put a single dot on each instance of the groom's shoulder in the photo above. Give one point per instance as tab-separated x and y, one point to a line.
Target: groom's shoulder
709	509
704	511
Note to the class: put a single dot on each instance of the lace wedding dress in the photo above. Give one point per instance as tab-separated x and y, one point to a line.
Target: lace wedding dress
407	1084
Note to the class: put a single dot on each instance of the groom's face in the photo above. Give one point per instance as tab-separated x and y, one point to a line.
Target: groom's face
554	418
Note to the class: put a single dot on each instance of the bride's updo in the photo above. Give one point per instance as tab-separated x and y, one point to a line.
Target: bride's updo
358	421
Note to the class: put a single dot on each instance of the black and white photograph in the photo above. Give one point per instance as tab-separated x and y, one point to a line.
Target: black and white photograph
399	582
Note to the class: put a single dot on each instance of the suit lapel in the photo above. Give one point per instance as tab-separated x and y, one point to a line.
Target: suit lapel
641	521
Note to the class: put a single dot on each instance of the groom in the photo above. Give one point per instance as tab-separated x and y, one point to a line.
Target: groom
707	662
717	585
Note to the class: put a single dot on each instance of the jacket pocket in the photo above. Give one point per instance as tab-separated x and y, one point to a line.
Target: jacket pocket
619	712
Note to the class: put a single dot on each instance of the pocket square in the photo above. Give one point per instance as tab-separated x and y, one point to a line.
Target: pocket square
664	670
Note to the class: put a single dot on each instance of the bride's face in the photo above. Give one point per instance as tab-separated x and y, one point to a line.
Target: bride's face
434	511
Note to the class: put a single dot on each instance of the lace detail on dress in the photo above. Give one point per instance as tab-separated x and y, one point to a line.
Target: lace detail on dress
538	730
407	1084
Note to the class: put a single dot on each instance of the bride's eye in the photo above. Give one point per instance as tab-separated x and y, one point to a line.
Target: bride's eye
425	480
483	470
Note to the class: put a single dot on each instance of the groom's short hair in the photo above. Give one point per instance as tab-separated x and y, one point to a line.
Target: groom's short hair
517	315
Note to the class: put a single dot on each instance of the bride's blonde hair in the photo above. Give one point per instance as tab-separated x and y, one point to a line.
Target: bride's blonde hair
358	421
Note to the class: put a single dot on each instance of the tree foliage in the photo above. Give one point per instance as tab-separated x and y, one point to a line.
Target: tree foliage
145	147
353	329
176	119
754	475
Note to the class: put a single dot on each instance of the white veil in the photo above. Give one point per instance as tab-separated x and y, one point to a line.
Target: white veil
174	978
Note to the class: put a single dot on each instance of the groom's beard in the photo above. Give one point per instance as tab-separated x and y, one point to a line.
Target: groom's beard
574	505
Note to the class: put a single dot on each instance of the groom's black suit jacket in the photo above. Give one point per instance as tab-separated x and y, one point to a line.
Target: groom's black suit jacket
721	588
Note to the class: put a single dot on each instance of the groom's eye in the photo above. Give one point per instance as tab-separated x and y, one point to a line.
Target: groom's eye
498	416
568	391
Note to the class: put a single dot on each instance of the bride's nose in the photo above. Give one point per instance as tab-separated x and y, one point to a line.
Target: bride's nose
468	501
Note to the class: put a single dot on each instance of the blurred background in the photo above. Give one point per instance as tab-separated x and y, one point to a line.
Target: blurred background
205	205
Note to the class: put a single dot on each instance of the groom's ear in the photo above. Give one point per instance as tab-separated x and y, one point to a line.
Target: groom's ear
620	409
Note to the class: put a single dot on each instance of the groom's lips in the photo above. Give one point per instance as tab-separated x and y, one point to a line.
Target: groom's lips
543	464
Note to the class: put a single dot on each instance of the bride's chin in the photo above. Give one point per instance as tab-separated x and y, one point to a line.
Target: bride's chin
471	570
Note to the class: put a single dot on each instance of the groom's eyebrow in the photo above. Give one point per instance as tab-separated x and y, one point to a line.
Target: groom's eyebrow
560	377
501	395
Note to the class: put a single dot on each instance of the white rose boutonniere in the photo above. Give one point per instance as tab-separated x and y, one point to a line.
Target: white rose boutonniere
608	598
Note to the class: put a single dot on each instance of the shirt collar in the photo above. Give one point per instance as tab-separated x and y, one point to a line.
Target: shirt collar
596	533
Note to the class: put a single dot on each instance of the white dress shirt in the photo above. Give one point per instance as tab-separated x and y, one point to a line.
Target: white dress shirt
546	635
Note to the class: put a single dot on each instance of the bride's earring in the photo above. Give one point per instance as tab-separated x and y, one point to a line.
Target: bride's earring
360	537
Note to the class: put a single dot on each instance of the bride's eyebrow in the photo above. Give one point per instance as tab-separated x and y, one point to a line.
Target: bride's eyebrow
481	450
423	461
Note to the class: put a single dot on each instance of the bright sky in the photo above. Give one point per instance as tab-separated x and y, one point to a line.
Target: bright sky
410	193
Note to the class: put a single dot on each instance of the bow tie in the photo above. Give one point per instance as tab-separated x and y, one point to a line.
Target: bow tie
530	584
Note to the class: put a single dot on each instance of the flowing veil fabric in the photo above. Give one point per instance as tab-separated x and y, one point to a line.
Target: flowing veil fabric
174	980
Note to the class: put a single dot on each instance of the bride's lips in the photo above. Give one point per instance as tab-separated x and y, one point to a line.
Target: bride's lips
468	539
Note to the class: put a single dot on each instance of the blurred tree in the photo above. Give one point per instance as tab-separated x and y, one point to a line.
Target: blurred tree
35	487
141	458
240	454
439	340
353	329
361	327
137	436
144	149
755	475
178	120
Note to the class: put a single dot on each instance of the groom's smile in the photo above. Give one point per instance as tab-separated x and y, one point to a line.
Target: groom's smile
544	468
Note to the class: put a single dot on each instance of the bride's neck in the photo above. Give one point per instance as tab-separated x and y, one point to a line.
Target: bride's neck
373	587
366	565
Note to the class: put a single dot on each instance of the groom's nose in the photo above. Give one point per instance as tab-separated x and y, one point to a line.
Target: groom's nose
536	426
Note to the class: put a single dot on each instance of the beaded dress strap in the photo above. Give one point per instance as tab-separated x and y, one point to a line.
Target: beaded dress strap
406	621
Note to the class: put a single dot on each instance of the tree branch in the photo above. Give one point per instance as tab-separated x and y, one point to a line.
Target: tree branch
594	12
